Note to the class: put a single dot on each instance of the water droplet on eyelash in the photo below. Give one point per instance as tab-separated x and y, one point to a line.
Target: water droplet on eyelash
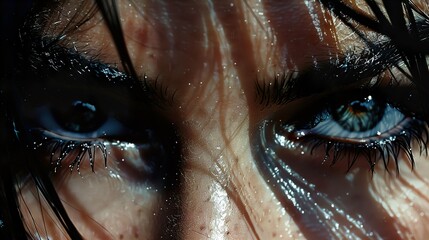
325	158
378	133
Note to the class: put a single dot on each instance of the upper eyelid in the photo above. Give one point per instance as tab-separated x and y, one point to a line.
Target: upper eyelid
331	76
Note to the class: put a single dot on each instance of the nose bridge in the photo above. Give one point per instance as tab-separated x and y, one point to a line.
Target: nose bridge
214	133
223	194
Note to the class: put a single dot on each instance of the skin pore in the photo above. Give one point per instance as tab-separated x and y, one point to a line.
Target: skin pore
208	58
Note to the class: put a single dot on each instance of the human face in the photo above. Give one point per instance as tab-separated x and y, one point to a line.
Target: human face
222	69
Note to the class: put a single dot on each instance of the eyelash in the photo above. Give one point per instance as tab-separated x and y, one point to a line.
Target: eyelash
65	77
385	149
73	152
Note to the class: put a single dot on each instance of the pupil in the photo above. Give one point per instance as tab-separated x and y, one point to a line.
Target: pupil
359	115
79	117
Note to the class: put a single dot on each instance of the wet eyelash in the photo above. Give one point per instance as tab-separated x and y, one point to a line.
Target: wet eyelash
387	150
61	151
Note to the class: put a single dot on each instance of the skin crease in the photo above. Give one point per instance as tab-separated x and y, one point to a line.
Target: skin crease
210	54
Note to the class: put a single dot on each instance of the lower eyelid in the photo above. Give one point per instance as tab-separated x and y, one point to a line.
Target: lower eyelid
136	163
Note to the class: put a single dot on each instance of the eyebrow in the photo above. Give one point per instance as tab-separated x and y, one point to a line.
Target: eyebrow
351	69
46	57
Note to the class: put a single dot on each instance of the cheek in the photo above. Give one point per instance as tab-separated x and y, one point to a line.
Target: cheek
224	196
404	196
100	205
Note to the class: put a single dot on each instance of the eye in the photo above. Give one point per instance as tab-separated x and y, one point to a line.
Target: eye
354	127
83	115
79	119
357	121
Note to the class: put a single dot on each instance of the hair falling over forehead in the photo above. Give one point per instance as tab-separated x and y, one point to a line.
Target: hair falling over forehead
402	25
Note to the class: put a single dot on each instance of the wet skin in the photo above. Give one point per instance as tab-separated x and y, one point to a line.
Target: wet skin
210	55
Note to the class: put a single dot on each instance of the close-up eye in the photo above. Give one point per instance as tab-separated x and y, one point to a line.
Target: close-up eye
76	119
357	129
357	120
80	117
